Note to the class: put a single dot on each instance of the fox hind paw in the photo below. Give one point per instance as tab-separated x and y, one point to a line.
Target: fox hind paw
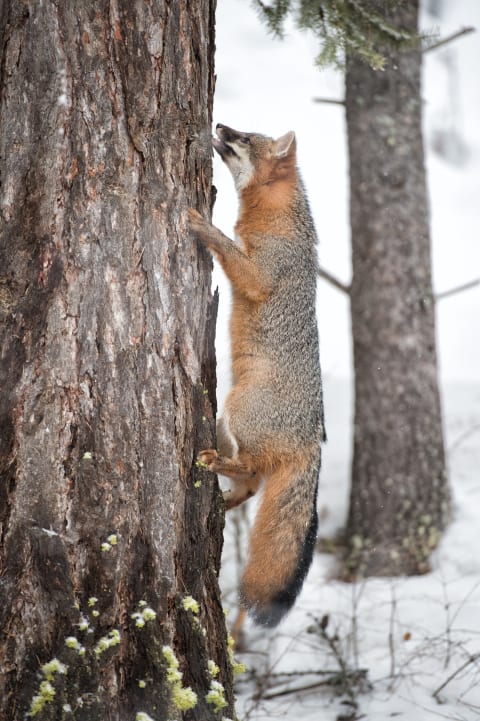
208	457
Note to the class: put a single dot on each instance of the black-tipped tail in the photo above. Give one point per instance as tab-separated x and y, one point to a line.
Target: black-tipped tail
270	615
280	553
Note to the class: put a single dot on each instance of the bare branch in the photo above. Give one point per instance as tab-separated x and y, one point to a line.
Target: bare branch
463	437
468	662
449	39
329	101
335	679
457	289
391	635
334	281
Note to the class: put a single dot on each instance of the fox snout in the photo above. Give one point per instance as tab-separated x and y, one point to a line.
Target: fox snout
228	137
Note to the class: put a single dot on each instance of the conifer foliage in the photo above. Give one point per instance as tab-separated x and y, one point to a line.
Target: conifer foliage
354	27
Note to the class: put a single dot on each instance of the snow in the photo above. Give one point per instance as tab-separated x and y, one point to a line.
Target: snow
411	634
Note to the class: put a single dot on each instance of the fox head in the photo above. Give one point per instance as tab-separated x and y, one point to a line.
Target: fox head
255	159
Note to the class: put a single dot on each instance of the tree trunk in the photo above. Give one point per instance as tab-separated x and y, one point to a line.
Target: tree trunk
107	364
399	501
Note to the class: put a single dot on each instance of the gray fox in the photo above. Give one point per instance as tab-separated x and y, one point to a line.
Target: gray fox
272	426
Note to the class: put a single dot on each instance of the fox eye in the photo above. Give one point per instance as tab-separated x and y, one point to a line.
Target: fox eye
246	140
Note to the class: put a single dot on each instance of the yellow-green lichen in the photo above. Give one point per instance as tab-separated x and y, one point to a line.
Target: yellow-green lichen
72	642
237	668
46	694
216	696
213	669
357	542
190	604
46	691
183	698
112	540
75	645
143	614
52	667
106	642
83	624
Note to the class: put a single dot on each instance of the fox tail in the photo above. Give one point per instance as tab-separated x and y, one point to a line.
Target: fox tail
281	542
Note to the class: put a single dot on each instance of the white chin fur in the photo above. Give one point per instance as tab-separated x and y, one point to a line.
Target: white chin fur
240	167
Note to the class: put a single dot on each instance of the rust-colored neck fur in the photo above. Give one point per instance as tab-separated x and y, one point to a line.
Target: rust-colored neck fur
267	197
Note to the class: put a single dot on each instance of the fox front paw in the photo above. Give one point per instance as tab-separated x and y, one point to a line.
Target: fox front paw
197	223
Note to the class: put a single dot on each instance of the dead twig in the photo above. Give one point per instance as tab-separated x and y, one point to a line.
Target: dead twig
329	101
334	281
346	682
334	679
457	289
443	41
463	437
470	660
391	636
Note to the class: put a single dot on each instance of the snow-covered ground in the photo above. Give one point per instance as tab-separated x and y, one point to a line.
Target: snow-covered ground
411	634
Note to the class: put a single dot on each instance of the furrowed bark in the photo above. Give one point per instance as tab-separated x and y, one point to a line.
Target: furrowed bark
107	380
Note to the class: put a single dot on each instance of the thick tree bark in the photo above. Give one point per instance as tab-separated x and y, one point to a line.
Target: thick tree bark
399	501
107	368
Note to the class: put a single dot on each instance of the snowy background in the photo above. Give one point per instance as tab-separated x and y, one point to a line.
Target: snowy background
411	634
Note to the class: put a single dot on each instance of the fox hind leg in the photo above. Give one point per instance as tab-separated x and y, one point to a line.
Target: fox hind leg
245	479
224	465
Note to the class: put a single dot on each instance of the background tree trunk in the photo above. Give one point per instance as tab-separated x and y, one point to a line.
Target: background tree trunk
399	501
107	366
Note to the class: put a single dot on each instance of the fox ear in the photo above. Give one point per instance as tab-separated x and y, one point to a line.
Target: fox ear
284	144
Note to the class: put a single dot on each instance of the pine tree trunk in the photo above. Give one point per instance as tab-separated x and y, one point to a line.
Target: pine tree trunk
399	501
106	361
